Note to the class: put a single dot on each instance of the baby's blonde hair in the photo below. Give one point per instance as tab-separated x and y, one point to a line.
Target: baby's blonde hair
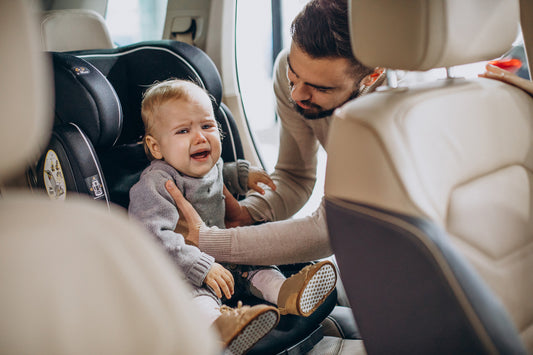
160	93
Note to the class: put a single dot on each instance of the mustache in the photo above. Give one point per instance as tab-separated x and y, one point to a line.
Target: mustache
320	112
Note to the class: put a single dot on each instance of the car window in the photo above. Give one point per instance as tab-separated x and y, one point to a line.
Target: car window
134	21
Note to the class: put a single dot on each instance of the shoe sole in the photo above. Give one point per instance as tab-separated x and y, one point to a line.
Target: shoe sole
252	333
319	287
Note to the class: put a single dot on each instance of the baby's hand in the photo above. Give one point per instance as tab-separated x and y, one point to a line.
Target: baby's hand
255	176
219	278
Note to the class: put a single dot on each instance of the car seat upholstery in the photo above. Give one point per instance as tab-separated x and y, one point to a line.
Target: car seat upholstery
76	278
429	187
88	122
73	29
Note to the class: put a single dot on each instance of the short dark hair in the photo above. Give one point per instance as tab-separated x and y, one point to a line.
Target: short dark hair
321	30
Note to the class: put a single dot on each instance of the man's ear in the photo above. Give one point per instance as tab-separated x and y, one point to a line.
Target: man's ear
153	146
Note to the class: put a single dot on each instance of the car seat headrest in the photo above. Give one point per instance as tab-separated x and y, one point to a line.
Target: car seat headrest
132	69
87	99
426	34
74	29
25	84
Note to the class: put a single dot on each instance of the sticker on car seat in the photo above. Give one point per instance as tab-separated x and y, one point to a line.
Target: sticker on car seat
53	177
81	70
94	184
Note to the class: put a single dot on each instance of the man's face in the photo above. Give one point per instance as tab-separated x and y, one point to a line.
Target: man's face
319	85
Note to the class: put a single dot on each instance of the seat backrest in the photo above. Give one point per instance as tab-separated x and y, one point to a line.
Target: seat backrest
74	29
429	187
75	278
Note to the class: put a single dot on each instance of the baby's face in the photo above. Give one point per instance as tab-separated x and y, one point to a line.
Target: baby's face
187	135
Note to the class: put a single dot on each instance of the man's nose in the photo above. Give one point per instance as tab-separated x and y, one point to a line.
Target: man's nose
300	92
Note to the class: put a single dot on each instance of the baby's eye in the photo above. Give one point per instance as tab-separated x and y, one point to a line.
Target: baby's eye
208	125
182	131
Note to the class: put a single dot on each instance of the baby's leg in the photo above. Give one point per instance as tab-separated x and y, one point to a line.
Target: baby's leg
238	328
305	291
265	283
207	303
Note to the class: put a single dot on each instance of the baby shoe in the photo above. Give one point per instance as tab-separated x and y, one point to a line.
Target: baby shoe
304	292
240	328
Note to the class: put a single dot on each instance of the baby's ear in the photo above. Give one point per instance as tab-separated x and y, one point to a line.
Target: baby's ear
153	146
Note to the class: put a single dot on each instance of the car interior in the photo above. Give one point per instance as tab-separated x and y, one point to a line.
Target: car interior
428	186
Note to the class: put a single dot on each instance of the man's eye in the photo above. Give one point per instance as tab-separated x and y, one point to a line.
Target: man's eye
322	90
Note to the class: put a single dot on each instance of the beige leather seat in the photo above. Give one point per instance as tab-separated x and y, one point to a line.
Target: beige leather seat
75	278
74	29
430	188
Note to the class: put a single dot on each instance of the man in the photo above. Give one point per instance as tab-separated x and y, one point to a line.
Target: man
315	76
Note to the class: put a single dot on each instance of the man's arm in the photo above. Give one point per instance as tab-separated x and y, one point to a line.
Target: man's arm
295	171
274	243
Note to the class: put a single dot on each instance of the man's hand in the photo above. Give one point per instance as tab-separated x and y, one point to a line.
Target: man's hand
236	215
192	217
220	280
255	176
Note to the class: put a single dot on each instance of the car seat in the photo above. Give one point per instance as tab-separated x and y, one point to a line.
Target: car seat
76	278
87	102
429	187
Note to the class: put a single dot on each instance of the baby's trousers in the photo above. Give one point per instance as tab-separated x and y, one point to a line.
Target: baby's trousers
263	282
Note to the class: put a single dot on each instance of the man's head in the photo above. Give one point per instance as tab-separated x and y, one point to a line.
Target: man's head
323	73
180	126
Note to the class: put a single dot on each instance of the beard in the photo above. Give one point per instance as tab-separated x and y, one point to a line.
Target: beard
317	112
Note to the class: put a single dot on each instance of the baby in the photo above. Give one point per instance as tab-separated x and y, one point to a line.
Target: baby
183	139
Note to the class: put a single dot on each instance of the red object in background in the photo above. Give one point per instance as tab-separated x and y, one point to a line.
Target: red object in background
509	64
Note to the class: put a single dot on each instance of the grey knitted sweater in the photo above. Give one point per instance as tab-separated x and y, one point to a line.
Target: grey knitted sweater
152	205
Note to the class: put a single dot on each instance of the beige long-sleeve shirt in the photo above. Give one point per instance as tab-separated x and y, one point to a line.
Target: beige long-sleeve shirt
295	170
285	241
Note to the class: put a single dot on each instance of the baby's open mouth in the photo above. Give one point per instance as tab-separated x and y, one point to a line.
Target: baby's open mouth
200	155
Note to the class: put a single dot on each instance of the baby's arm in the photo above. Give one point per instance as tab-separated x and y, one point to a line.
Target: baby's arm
255	176
151	204
220	280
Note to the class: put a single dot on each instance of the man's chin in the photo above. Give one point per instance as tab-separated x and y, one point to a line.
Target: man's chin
313	114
